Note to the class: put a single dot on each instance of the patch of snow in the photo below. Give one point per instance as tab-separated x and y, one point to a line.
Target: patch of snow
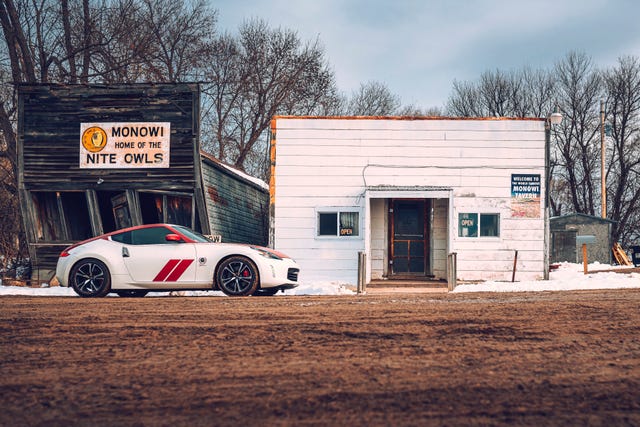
246	176
566	278
320	288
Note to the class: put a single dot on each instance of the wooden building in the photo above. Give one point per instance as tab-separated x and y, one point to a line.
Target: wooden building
566	234
410	193
96	158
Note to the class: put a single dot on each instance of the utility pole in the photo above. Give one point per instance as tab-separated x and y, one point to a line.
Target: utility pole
603	147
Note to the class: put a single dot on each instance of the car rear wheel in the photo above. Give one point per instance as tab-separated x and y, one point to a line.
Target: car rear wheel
237	276
90	278
132	293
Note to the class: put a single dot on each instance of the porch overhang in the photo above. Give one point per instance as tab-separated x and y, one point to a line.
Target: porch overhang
407	192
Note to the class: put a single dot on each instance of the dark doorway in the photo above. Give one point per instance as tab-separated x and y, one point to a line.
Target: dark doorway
107	215
409	237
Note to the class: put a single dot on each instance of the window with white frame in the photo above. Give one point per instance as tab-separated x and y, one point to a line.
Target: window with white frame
338	223
478	224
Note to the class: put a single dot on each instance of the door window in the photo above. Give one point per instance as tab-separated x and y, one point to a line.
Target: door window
143	236
409	236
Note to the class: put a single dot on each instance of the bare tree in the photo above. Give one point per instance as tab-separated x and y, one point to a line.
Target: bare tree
373	99
84	41
623	113
521	93
465	100
415	111
579	91
182	38
262	73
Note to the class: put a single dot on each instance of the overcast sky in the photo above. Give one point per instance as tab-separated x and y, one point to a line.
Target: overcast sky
418	47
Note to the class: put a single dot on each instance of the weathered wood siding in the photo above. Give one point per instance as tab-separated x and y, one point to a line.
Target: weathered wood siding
439	237
379	238
49	133
237	208
330	162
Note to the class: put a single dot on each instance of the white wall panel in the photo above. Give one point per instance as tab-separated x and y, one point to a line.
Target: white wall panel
329	162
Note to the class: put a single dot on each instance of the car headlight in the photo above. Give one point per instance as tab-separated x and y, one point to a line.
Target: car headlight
266	253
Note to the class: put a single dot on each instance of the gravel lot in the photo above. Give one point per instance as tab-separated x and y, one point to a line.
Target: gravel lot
547	358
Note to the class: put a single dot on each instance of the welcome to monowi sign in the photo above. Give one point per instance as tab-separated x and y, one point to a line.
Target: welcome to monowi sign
124	145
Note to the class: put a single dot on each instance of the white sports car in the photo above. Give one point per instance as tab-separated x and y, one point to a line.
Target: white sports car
165	257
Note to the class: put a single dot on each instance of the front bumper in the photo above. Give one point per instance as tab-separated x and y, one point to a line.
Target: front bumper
279	273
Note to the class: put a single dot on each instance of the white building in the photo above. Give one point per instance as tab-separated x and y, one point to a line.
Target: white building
408	192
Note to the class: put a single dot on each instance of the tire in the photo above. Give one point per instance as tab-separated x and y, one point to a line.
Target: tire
90	278
268	292
132	293
237	276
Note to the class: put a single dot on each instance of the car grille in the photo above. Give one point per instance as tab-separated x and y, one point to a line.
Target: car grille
292	274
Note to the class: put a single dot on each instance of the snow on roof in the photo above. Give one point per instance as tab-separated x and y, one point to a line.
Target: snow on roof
243	175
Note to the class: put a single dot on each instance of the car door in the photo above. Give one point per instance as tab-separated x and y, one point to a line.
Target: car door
153	261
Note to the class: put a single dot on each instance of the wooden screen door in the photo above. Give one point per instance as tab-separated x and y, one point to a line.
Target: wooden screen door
409	227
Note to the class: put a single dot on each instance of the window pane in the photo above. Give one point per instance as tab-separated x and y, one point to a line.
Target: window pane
48	224
400	248
179	210
194	235
349	223
151	208
489	225
468	225
149	236
400	265
416	265
327	224
122	237
408	218
76	214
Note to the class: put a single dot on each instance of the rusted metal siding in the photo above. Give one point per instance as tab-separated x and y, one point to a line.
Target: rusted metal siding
236	207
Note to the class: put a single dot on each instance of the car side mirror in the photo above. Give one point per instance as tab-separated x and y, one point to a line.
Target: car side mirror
173	238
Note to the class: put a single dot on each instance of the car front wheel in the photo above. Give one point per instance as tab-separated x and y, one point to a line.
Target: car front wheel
90	278
237	276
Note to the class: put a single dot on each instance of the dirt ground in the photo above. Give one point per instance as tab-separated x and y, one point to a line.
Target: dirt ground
552	358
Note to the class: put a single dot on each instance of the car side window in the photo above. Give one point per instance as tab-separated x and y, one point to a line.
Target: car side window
122	237
149	236
143	236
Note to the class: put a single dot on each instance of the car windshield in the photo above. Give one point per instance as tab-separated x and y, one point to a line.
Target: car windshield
193	235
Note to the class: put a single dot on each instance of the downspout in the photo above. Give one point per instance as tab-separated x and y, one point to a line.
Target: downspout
272	184
547	183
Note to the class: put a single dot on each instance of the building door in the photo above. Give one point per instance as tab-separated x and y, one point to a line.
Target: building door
121	212
409	231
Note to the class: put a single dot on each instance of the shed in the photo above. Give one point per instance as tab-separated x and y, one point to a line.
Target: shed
566	231
96	158
410	193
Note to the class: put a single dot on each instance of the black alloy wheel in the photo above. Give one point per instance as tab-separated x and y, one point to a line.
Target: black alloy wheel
237	276
90	278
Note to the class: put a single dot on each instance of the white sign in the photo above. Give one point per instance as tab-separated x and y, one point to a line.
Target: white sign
124	145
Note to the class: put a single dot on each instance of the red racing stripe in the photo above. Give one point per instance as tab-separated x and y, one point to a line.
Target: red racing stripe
180	268
168	267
